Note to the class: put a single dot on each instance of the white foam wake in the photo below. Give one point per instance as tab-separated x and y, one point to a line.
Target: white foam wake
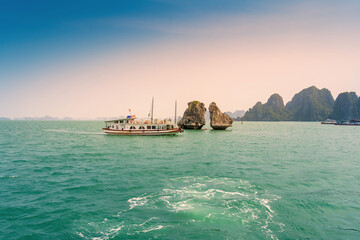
198	200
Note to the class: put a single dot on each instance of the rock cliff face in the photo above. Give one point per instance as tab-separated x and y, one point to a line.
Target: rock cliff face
311	104
276	102
273	110
347	107
219	120
194	116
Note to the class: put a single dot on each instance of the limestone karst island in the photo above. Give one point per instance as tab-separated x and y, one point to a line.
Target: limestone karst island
194	117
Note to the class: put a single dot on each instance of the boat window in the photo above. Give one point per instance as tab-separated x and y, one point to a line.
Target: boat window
121	121
153	127
141	127
168	126
159	127
132	127
148	127
172	126
117	127
163	127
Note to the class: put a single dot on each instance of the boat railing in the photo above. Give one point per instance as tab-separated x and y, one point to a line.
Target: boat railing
148	122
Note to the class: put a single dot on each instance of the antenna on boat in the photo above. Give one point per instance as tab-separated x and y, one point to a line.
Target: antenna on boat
175	111
152	111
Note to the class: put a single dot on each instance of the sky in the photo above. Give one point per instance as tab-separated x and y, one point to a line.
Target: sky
88	59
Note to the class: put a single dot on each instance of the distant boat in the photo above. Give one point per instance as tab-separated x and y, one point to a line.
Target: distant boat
353	122
329	121
131	126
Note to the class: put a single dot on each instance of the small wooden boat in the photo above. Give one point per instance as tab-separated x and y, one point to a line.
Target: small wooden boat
329	121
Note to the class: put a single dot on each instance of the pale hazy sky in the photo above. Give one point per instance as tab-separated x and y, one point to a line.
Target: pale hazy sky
101	61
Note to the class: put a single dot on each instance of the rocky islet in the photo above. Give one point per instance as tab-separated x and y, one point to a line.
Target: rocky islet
194	117
219	120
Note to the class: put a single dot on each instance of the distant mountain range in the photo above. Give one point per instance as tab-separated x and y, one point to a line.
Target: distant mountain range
36	118
235	115
311	104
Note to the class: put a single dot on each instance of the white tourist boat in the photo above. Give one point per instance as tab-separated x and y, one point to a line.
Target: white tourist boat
131	126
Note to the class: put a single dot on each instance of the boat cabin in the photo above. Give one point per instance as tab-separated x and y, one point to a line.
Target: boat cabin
134	124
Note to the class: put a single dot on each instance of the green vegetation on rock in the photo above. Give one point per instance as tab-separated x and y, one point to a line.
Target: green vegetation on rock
347	106
194	116
273	110
311	104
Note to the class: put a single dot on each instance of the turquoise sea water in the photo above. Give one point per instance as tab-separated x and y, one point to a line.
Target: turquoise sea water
259	180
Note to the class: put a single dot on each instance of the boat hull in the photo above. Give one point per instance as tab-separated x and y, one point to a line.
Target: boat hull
145	132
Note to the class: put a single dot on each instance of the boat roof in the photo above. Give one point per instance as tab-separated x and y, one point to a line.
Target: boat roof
132	118
119	119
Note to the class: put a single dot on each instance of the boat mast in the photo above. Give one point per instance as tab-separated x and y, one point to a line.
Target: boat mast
175	111
152	111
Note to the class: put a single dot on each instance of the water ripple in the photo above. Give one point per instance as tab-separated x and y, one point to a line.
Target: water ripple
224	204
